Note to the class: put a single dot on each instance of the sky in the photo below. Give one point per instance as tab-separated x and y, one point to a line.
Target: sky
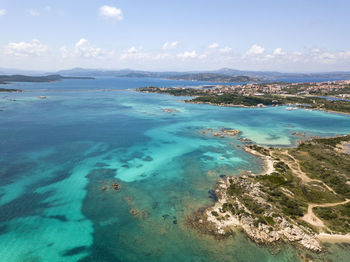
163	35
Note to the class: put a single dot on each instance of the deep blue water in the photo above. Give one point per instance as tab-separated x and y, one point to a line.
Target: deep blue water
56	155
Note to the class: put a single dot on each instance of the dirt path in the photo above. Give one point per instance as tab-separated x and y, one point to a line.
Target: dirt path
312	219
297	170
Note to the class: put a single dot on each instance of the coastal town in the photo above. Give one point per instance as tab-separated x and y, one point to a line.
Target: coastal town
326	96
339	88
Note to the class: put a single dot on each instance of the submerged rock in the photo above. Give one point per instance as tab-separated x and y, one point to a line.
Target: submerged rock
116	186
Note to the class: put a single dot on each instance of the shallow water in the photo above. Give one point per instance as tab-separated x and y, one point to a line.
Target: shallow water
58	153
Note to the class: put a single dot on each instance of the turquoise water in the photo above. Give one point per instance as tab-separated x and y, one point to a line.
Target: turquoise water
57	154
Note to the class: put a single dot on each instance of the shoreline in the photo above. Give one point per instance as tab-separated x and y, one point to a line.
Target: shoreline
333	238
243	106
344	147
222	105
241	197
268	161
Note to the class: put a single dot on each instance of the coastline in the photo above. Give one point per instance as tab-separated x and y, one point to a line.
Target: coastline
243	106
333	238
232	211
221	105
268	161
344	147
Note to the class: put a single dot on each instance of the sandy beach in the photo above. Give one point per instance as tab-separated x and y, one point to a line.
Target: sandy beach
324	237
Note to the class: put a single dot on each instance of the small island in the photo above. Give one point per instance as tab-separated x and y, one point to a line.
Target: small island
10	90
5	79
303	197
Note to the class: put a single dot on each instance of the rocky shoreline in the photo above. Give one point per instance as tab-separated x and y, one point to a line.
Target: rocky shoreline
270	207
224	217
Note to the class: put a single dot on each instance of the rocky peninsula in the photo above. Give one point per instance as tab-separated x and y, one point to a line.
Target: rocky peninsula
303	197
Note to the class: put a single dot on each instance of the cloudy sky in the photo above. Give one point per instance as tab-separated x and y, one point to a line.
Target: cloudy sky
282	35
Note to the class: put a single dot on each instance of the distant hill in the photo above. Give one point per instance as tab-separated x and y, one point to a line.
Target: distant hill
262	75
115	73
213	77
273	75
37	79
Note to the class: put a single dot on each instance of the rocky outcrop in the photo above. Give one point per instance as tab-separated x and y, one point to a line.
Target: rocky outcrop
224	132
270	226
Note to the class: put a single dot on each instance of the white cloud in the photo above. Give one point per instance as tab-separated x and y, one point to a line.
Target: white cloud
255	50
84	49
34	48
187	54
3	12
132	50
170	45
111	12
225	50
278	52
213	46
191	55
33	12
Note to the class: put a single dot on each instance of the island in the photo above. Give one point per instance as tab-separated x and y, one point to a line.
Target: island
302	197
10	90
213	77
5	79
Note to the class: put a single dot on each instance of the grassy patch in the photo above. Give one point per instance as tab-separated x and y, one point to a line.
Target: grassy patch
337	218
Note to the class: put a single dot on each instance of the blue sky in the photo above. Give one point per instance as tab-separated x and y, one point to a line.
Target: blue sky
282	35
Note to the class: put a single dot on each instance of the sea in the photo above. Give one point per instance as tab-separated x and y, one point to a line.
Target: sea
64	144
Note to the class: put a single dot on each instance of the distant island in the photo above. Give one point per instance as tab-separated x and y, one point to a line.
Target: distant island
207	77
303	196
214	77
10	90
5	79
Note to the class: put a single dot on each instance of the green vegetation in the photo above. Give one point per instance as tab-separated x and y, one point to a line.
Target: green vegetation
260	149
233	99
214	213
236	99
172	91
315	103
337	218
319	159
289	194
